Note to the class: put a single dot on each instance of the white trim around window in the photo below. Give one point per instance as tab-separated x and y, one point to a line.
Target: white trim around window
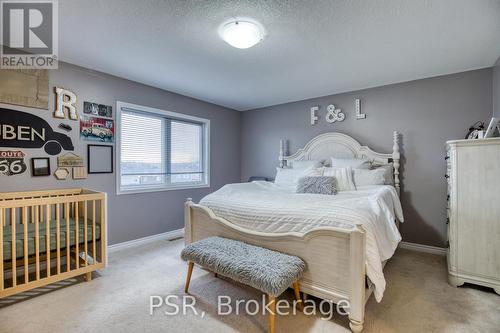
175	117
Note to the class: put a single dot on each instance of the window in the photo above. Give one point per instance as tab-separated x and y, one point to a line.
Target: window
160	150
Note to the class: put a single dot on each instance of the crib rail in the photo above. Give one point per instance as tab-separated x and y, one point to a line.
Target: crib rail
48	236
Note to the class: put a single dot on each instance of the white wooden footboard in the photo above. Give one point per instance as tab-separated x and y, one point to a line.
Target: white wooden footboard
335	257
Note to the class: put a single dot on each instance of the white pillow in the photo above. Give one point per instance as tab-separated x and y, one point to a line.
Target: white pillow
285	176
369	177
307	164
354	163
388	174
343	176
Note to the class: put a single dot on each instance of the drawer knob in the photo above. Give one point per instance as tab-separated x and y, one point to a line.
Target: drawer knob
447	157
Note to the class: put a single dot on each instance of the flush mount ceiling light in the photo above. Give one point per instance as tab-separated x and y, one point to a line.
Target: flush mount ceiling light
242	34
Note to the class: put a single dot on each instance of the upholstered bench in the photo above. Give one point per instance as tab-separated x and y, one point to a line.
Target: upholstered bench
268	271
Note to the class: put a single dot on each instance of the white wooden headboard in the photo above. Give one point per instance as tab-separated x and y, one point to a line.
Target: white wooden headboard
341	145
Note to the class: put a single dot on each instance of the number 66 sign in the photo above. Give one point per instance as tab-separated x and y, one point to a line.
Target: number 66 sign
12	162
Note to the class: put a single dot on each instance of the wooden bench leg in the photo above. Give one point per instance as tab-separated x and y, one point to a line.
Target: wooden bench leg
188	278
296	291
88	276
272	313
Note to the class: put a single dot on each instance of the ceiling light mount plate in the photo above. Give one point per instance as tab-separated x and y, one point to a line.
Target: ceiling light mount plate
242	33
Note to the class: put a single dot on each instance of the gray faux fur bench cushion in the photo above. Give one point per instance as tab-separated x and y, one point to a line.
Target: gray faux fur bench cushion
269	271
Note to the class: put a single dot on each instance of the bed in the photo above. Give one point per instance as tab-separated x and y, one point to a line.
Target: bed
339	252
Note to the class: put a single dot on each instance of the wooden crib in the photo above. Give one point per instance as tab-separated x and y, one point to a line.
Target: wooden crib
48	236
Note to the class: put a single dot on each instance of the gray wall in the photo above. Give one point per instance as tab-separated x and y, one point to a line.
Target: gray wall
135	215
427	113
496	89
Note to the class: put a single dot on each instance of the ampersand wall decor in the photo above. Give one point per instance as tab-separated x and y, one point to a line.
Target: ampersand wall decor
334	114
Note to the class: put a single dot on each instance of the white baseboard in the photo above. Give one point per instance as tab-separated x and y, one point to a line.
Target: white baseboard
423	248
145	240
180	233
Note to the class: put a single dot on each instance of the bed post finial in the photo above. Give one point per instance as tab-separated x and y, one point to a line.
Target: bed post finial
395	158
281	156
187	221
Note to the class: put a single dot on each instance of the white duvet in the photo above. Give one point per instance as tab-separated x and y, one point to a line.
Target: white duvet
267	207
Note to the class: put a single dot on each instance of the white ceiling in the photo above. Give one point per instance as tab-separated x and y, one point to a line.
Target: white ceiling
313	48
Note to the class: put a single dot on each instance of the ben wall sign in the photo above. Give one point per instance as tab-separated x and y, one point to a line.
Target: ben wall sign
24	130
334	114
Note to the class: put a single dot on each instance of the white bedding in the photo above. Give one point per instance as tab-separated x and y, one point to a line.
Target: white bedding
267	207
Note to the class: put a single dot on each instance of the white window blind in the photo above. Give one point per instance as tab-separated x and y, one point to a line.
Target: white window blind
186	154
161	150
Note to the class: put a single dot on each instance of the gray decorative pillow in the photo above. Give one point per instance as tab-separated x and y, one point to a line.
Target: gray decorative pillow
317	185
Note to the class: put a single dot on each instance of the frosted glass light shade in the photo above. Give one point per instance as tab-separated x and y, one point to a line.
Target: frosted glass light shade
241	34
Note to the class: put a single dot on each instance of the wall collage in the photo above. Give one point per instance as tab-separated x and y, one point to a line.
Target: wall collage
21	130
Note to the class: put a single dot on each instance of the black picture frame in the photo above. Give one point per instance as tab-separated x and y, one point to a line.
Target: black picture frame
92	152
41	172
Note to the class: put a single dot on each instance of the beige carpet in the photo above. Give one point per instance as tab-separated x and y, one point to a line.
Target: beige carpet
418	299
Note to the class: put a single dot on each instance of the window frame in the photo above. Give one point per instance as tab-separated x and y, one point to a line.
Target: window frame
167	114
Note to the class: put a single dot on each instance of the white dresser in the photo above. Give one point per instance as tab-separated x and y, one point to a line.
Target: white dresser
473	175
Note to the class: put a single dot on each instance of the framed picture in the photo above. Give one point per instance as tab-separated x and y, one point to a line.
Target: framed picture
61	173
99	159
97	129
40	166
69	160
25	87
493	129
79	173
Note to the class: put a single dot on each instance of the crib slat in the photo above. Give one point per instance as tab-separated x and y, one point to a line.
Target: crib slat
13	245
37	241
68	257
85	233
47	237
2	218
58	238
77	238
103	231
25	225
93	233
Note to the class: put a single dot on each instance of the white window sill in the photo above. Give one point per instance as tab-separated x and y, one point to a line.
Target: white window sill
139	190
